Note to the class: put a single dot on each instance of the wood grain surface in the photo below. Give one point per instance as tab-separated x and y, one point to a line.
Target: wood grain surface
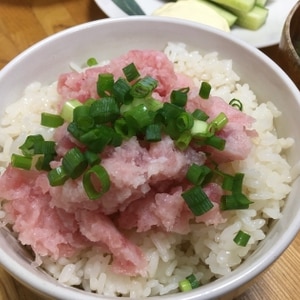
23	23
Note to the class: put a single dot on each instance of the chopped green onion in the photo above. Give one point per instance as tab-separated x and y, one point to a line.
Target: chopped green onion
236	103
92	62
21	162
184	121
105	110
96	182
169	112
75	131
153	132
105	84
242	238
143	87
185	285
196	174
197	200
27	147
189	283
200	129
205	89
183	141
121	127
83	118
179	97
131	73
92	158
216	142
193	280
139	117
67	109
57	176
51	120
200	115
121	91
43	162
74	163
97	139
44	147
219	121
234	201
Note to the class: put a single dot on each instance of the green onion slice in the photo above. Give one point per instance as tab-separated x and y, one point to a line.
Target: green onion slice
153	132
21	162
27	147
74	163
105	84
67	109
242	238
179	97
105	110
96	182
189	283
143	87
236	103
121	91
196	174
205	89
131	73
92	62
51	120
197	200
219	121
57	176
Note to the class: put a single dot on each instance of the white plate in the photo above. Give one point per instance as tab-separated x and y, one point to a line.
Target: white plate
267	35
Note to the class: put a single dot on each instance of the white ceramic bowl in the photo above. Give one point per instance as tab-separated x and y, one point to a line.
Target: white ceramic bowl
109	38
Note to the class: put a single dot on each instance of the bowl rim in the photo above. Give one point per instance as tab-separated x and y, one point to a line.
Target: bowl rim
213	289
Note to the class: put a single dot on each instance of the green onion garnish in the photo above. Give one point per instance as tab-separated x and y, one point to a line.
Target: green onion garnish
21	162
28	146
51	120
74	163
197	200
189	283
92	62
105	110
196	174
179	97
205	89
121	91
153	132
242	238
105	84
200	115
143	87
236	103
96	182
67	109
57	176
131	73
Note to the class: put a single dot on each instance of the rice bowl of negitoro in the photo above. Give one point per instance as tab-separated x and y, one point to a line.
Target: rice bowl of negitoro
160	166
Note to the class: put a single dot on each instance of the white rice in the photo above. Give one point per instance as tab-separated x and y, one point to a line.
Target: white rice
211	252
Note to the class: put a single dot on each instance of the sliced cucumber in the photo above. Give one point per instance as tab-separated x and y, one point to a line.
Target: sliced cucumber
227	15
261	3
252	20
240	5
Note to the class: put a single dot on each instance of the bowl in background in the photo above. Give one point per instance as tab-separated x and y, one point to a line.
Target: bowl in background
289	46
51	57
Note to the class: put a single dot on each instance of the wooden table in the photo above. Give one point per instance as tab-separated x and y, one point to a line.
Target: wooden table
23	23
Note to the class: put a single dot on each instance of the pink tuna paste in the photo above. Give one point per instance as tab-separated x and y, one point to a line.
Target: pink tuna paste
146	183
